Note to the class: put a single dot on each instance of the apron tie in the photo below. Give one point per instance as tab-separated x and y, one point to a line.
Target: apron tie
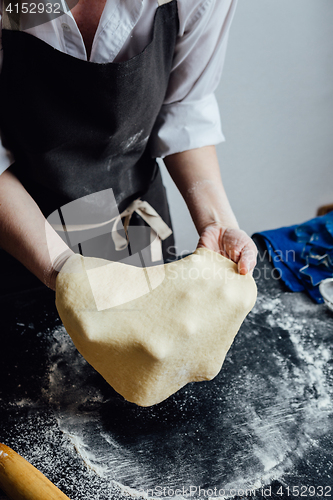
159	230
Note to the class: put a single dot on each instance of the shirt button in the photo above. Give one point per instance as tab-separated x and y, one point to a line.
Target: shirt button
65	27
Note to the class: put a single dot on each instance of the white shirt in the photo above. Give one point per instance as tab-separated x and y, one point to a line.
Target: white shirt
189	117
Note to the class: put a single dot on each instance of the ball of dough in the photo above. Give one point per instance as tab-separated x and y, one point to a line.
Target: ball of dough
150	331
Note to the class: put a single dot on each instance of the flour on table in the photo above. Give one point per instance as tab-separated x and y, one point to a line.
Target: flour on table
270	407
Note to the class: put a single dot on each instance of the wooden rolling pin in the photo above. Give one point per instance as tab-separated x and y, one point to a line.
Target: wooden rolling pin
22	481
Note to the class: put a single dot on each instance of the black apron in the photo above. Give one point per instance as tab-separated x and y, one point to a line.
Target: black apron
77	127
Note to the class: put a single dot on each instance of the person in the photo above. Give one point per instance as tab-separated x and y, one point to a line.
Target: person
90	99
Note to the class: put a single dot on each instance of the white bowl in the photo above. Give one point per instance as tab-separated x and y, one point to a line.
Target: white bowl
326	290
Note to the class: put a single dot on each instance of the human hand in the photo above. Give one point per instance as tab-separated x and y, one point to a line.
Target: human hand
232	243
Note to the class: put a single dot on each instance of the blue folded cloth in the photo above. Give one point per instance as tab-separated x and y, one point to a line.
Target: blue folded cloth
303	254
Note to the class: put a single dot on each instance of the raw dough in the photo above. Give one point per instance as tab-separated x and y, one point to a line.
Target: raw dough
150	331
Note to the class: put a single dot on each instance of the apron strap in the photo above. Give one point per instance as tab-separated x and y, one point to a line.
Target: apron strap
11	20
159	230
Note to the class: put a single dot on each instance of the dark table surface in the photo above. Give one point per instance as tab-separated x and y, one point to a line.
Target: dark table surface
266	421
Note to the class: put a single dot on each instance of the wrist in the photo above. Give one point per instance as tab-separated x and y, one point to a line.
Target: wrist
216	224
209	206
50	274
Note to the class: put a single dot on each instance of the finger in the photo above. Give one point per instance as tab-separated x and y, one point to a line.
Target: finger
234	241
248	258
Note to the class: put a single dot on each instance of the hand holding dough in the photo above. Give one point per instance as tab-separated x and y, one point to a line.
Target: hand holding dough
149	336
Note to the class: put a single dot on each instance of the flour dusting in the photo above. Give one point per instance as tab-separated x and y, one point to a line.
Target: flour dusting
269	410
269	416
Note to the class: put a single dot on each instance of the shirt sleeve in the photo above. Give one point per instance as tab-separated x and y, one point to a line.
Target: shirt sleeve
6	157
189	117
